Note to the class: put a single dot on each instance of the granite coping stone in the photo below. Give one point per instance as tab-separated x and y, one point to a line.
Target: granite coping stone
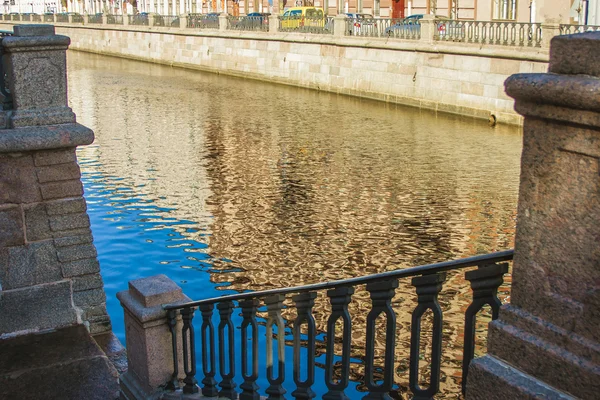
145	314
44	137
64	364
34	30
155	290
575	54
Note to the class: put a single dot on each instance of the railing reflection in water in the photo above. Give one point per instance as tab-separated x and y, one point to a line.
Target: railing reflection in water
376	354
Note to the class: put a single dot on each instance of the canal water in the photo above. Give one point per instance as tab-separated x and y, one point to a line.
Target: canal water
228	185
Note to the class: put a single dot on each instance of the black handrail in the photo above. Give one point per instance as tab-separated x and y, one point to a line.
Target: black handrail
427	269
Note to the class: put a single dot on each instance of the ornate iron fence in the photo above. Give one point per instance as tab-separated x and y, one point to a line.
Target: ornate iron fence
64	18
15	17
378	380
36	18
114	19
299	23
255	23
567	29
383	27
501	33
139	19
48	17
166	20
203	21
95	19
77	18
26	17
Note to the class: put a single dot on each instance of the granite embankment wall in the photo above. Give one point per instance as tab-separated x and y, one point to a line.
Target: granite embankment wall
466	79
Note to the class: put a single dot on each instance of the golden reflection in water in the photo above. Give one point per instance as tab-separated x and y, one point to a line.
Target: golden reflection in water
289	186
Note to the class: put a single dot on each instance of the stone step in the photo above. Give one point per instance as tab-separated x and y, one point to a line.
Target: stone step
63	364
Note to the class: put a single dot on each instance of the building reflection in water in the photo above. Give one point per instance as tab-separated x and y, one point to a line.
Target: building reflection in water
285	186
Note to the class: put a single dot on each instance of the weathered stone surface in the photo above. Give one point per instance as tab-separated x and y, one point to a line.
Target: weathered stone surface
28	265
33	30
56	156
499	381
88	298
69	222
37	308
18	181
60	190
11	227
87	282
80	267
66	206
575	54
100	325
46	138
72	233
155	290
58	172
94	311
36	222
65	364
114	350
74	253
549	333
148	338
73	240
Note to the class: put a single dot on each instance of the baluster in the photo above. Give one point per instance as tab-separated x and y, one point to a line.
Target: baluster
189	351
381	296
227	384
274	306
173	384
428	287
340	298
304	304
208	352
485	282
249	387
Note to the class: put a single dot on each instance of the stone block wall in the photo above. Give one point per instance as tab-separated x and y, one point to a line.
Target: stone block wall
49	272
465	79
46	247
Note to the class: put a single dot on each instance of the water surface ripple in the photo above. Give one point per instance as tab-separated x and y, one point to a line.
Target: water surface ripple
227	185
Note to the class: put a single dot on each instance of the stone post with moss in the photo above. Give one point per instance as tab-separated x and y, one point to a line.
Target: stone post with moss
49	271
546	342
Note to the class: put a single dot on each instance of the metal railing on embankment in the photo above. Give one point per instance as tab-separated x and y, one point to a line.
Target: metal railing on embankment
377	353
568	29
503	33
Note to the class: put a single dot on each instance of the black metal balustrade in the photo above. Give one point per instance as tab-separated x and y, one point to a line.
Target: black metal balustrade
428	281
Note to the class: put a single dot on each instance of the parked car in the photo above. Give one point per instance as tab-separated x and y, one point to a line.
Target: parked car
254	20
296	17
411	25
362	24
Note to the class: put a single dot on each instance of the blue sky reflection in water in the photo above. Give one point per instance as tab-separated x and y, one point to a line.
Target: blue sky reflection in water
228	185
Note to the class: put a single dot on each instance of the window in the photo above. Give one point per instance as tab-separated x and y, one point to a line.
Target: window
504	9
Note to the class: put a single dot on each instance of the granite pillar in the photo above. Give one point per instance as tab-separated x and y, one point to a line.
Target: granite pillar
148	337
49	272
546	342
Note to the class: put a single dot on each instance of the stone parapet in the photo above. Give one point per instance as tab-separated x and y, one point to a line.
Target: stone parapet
49	272
148	336
548	336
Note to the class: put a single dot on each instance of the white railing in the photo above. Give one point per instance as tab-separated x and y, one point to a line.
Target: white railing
501	33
